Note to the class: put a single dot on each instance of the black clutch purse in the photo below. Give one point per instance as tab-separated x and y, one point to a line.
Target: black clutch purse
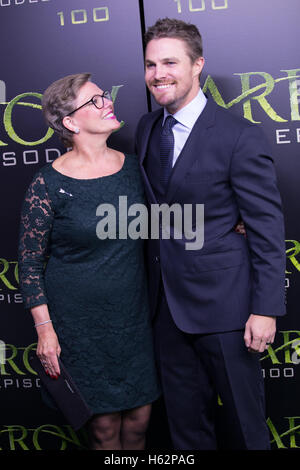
64	393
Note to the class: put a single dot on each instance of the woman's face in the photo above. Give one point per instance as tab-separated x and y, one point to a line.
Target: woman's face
90	118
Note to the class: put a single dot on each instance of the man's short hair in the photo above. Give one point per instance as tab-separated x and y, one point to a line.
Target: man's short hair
174	28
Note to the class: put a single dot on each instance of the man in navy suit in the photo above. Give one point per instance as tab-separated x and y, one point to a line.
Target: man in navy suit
214	309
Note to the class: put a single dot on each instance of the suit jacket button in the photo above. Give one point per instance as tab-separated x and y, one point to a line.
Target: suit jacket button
157	260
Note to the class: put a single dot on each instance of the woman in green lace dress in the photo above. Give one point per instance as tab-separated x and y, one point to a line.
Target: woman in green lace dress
89	304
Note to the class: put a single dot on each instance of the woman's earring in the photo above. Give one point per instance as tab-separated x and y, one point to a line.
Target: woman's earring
76	130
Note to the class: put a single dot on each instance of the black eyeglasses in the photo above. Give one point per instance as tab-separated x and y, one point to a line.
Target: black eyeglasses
97	100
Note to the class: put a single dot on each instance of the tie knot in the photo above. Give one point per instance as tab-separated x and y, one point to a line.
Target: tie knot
169	123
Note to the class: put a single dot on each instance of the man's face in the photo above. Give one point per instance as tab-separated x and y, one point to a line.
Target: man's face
170	75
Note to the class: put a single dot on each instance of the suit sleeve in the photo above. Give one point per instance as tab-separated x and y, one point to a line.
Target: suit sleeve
254	183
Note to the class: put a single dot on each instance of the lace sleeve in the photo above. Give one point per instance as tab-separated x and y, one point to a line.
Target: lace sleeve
35	229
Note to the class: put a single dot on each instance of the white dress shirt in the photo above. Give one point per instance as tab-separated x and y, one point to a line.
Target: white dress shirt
186	118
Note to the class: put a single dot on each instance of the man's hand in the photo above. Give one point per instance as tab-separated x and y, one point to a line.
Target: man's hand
259	332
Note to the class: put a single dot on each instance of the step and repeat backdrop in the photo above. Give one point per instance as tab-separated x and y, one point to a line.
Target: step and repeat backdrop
252	68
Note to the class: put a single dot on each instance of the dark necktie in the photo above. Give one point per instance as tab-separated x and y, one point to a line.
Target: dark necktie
166	150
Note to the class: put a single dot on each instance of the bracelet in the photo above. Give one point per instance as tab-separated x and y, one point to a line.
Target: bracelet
42	323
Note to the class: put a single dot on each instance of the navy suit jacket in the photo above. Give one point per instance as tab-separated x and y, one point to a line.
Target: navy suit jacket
225	165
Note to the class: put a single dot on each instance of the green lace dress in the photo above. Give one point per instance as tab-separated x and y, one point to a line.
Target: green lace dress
95	288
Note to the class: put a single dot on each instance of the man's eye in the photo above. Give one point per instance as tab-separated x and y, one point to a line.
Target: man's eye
149	66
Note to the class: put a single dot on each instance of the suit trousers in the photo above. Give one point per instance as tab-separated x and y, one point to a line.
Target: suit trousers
197	369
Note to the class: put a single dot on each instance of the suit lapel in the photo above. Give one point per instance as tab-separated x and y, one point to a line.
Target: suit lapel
189	153
192	148
152	119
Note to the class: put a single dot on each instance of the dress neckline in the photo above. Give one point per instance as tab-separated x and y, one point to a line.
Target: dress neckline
90	179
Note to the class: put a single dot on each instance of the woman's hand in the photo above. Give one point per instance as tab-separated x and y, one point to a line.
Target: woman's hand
48	350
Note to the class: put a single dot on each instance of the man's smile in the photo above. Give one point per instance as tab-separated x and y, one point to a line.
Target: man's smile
163	86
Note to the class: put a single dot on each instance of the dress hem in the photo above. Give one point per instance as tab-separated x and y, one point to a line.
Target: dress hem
115	410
